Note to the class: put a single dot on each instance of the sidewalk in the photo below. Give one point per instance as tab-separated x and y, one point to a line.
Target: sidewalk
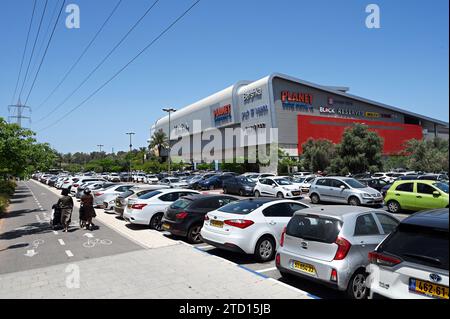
174	272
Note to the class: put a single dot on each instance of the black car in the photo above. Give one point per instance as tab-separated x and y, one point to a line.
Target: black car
239	185
384	190
185	216
52	181
375	183
193	183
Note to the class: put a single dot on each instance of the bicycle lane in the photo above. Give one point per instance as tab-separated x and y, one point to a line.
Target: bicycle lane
28	242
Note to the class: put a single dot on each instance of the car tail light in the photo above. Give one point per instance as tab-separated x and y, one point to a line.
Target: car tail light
277	260
75	185
138	206
239	223
343	248
181	215
333	276
383	260
282	237
206	217
65	182
98	194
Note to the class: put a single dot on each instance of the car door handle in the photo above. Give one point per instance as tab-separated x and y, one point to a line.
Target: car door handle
418	196
363	243
397	194
272	223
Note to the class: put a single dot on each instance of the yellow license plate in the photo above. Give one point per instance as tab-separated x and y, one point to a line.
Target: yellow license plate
428	288
166	226
305	267
216	223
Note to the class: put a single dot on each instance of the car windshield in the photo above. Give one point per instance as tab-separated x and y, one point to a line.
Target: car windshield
354	183
314	228
242	207
181	203
282	181
173	180
253	176
126	194
149	195
245	180
442	186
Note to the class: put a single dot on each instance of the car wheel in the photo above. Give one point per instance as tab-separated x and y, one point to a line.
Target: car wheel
357	286
193	235
315	199
393	206
354	201
155	222
257	194
265	249
280	195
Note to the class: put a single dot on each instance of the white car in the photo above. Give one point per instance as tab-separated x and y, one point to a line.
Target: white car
113	177
151	179
387	177
149	208
254	177
277	187
82	180
173	182
250	226
306	184
138	177
412	262
104	197
61	181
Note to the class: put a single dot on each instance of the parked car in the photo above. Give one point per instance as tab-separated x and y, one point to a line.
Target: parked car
185	216
375	183
250	226
384	190
330	244
174	182
148	209
412	262
151	179
277	187
139	177
416	195
239	185
386	177
82	180
256	176
344	190
105	198
194	181
306	183
91	185
131	194
114	177
214	182
434	177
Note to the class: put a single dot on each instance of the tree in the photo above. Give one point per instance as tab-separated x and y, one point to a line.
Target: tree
317	154
427	155
285	162
359	151
159	141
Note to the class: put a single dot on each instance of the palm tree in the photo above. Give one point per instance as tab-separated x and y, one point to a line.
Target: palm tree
159	141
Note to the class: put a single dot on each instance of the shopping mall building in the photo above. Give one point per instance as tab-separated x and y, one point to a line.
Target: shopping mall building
298	109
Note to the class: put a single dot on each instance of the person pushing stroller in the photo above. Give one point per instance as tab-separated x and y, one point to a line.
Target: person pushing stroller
65	204
87	211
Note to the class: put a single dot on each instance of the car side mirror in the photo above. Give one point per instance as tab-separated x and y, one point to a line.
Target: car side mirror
343	187
436	194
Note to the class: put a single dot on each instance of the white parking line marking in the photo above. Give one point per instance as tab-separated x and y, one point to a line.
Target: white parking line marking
61	242
38	218
69	253
267	269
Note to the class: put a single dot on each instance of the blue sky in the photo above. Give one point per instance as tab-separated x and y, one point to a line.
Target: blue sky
404	63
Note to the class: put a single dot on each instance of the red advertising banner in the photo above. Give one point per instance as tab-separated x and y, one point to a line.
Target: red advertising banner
319	127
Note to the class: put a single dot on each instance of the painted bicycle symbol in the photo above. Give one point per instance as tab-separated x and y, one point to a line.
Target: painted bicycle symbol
36	243
92	242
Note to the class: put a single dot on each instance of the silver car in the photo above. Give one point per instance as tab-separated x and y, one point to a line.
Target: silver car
344	190
330	245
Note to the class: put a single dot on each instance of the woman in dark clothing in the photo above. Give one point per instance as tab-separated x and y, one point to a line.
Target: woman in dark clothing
87	211
65	203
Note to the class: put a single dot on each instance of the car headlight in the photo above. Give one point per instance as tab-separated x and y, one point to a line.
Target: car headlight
366	195
286	189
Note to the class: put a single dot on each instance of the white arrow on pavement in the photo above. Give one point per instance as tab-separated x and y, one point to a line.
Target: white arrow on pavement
31	253
88	235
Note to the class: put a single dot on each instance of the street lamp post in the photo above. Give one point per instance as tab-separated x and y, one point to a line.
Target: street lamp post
131	146
169	110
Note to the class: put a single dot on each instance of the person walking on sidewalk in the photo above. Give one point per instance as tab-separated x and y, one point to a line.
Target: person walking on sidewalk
65	203
87	211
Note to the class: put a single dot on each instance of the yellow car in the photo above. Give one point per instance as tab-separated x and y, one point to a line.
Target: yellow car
416	195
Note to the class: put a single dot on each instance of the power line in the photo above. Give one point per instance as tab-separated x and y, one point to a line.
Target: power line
100	64
24	51
32	51
45	52
81	56
124	67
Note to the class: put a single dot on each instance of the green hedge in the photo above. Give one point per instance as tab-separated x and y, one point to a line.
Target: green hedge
7	187
3	203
